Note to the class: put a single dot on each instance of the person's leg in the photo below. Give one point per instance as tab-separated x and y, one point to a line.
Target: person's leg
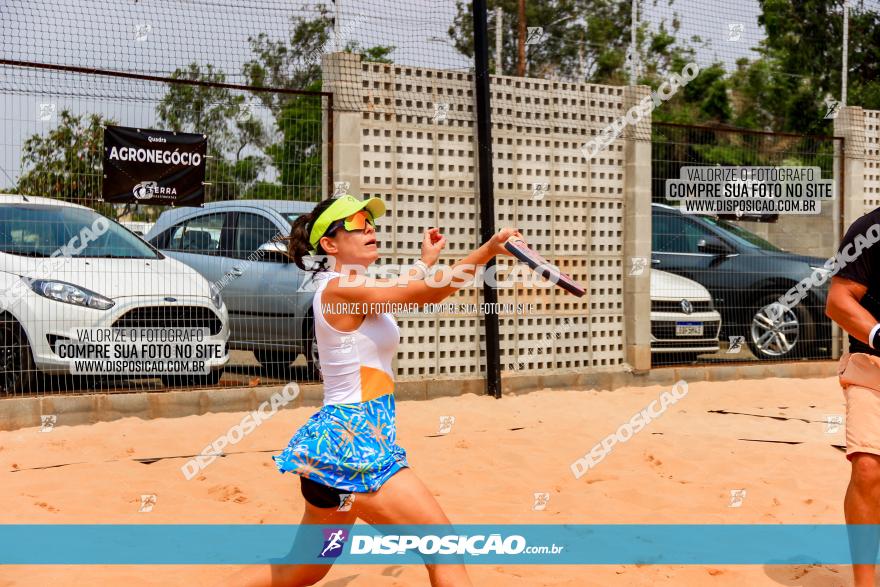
294	575
862	506
404	499
859	376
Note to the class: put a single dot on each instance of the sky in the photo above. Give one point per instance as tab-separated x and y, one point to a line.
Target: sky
157	36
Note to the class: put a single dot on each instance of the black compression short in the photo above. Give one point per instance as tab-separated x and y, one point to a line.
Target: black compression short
321	496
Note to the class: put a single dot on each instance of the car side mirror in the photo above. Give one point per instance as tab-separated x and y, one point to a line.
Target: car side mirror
274	251
713	245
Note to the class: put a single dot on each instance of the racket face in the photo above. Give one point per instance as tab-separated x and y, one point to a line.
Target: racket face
543	267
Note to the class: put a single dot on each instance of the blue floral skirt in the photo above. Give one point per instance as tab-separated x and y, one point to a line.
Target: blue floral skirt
352	447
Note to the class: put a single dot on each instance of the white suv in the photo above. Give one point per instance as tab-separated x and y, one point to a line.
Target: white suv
65	267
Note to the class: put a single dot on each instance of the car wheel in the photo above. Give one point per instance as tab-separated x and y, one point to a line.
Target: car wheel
17	368
207	380
777	332
275	363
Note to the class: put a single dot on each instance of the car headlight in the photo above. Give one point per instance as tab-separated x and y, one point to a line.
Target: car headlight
61	291
215	296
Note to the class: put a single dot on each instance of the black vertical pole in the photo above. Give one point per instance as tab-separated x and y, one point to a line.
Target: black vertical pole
487	194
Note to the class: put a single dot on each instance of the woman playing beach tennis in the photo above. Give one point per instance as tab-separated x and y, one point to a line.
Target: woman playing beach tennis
350	446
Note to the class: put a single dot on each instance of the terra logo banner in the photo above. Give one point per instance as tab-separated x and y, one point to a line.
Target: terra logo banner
154	167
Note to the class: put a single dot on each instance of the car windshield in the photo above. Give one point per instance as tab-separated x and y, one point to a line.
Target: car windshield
741	235
38	230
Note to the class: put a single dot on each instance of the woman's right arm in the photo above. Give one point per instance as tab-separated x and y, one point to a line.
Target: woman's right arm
432	290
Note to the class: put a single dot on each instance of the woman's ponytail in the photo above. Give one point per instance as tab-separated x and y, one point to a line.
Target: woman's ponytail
298	242
298	245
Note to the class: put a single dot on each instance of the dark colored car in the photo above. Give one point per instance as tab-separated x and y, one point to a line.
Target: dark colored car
745	275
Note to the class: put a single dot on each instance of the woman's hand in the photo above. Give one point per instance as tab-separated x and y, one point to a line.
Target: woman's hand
495	245
432	243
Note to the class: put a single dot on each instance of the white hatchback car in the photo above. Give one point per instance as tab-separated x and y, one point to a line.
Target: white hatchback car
684	322
64	267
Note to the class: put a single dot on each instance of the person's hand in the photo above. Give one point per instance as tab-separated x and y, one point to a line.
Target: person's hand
496	243
432	244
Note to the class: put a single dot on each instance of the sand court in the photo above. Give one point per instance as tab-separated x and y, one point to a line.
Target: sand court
726	453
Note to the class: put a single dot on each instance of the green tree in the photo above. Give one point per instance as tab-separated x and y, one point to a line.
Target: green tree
805	39
567	47
295	63
230	123
582	40
67	162
798	67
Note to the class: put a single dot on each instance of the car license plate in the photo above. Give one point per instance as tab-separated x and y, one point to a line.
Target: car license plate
688	329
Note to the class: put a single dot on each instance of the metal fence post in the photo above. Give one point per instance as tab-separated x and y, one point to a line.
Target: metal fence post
487	193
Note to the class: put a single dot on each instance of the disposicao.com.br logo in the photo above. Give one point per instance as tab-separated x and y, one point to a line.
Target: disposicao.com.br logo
334	542
449	544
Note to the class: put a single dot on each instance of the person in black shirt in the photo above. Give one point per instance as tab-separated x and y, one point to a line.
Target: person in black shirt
854	304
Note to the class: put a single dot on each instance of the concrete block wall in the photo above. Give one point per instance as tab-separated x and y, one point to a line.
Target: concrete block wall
415	148
871	169
851	125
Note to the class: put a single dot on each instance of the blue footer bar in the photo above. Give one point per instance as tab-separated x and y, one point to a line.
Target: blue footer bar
542	544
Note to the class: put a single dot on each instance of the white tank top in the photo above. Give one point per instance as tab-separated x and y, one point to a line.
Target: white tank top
355	366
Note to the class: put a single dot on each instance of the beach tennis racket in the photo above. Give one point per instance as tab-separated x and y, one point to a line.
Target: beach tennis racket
519	249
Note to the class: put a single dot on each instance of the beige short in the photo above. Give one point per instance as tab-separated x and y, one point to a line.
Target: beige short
859	376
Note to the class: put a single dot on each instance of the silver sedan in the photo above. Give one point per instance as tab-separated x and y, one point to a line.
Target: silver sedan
231	244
